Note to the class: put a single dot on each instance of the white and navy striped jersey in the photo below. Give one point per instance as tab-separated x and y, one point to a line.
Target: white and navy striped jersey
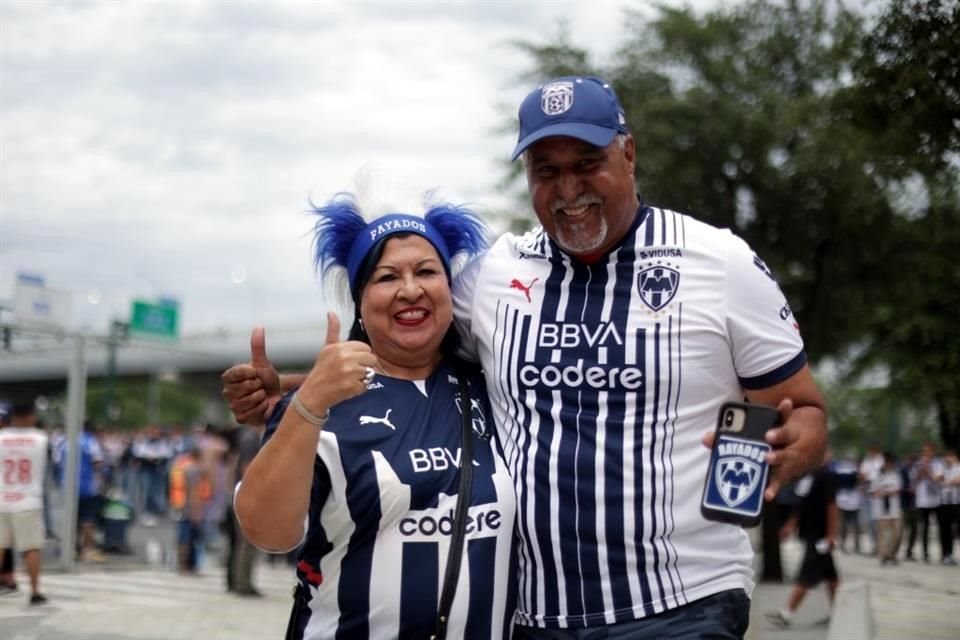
381	514
603	379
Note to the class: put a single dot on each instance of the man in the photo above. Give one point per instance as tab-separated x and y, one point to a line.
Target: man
242	554
89	485
816	522
886	510
925	477
152	452
190	492
949	512
849	502
610	335
23	464
870	468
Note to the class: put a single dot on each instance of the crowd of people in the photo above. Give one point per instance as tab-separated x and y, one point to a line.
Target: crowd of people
155	476
900	509
865	506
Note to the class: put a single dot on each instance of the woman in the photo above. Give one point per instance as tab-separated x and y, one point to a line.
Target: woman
361	462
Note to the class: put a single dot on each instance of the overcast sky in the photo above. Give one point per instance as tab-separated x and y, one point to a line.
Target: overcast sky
169	148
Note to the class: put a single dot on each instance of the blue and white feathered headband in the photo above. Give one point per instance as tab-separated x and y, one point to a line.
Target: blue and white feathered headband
345	232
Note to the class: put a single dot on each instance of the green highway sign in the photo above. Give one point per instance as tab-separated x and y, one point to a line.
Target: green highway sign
153	320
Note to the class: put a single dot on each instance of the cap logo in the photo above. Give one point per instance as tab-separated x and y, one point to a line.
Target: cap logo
557	97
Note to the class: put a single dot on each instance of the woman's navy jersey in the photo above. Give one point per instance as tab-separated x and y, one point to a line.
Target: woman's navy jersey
381	513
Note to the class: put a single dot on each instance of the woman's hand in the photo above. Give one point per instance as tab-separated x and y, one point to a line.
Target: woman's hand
339	371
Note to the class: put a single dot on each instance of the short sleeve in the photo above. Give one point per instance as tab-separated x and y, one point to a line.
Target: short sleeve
464	289
765	337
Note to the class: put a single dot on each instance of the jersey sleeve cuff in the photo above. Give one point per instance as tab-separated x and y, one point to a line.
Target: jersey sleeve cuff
776	376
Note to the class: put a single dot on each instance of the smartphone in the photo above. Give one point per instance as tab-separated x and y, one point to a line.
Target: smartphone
738	471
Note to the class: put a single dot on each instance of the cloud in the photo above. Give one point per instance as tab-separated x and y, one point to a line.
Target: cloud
150	148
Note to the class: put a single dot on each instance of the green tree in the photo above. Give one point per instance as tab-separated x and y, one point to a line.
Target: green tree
733	120
905	100
176	403
830	145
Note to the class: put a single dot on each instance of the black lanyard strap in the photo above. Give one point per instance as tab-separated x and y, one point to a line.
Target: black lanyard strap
455	554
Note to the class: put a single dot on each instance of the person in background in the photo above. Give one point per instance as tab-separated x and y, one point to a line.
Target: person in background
849	502
815	520
908	502
89	488
948	513
885	509
242	554
7	584
23	464
924	476
189	495
152	452
214	446
870	468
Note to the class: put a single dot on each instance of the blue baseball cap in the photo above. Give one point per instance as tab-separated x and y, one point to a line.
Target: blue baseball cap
582	107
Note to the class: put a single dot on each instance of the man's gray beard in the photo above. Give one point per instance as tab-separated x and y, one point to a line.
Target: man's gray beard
580	242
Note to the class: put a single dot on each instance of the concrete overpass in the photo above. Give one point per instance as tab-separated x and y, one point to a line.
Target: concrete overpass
38	360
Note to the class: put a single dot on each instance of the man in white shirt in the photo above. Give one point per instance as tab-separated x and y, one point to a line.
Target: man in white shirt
885	509
870	468
23	462
925	475
948	513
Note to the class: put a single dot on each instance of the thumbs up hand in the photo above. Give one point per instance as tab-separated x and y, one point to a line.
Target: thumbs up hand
339	372
251	389
261	364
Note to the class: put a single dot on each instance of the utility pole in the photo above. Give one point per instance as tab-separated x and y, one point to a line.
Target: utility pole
119	331
76	408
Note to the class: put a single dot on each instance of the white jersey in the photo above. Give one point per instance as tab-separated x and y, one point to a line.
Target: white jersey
381	515
23	464
871	467
950	491
926	486
603	379
888	506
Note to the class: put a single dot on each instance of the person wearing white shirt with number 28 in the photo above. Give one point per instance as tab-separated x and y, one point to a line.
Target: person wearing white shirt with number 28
23	464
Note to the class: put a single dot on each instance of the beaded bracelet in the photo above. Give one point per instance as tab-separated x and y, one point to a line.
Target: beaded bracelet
306	415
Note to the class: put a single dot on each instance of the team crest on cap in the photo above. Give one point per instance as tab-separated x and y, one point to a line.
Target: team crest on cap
737	478
556	97
657	286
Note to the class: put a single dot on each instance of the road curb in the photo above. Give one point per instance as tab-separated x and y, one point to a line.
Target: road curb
851	619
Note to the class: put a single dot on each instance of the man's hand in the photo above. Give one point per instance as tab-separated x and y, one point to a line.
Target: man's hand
798	447
252	389
801	439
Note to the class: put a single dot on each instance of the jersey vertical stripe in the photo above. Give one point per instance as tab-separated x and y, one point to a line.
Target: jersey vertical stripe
604	377
381	516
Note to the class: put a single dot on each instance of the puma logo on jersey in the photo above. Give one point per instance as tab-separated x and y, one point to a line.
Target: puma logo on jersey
516	284
385	420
